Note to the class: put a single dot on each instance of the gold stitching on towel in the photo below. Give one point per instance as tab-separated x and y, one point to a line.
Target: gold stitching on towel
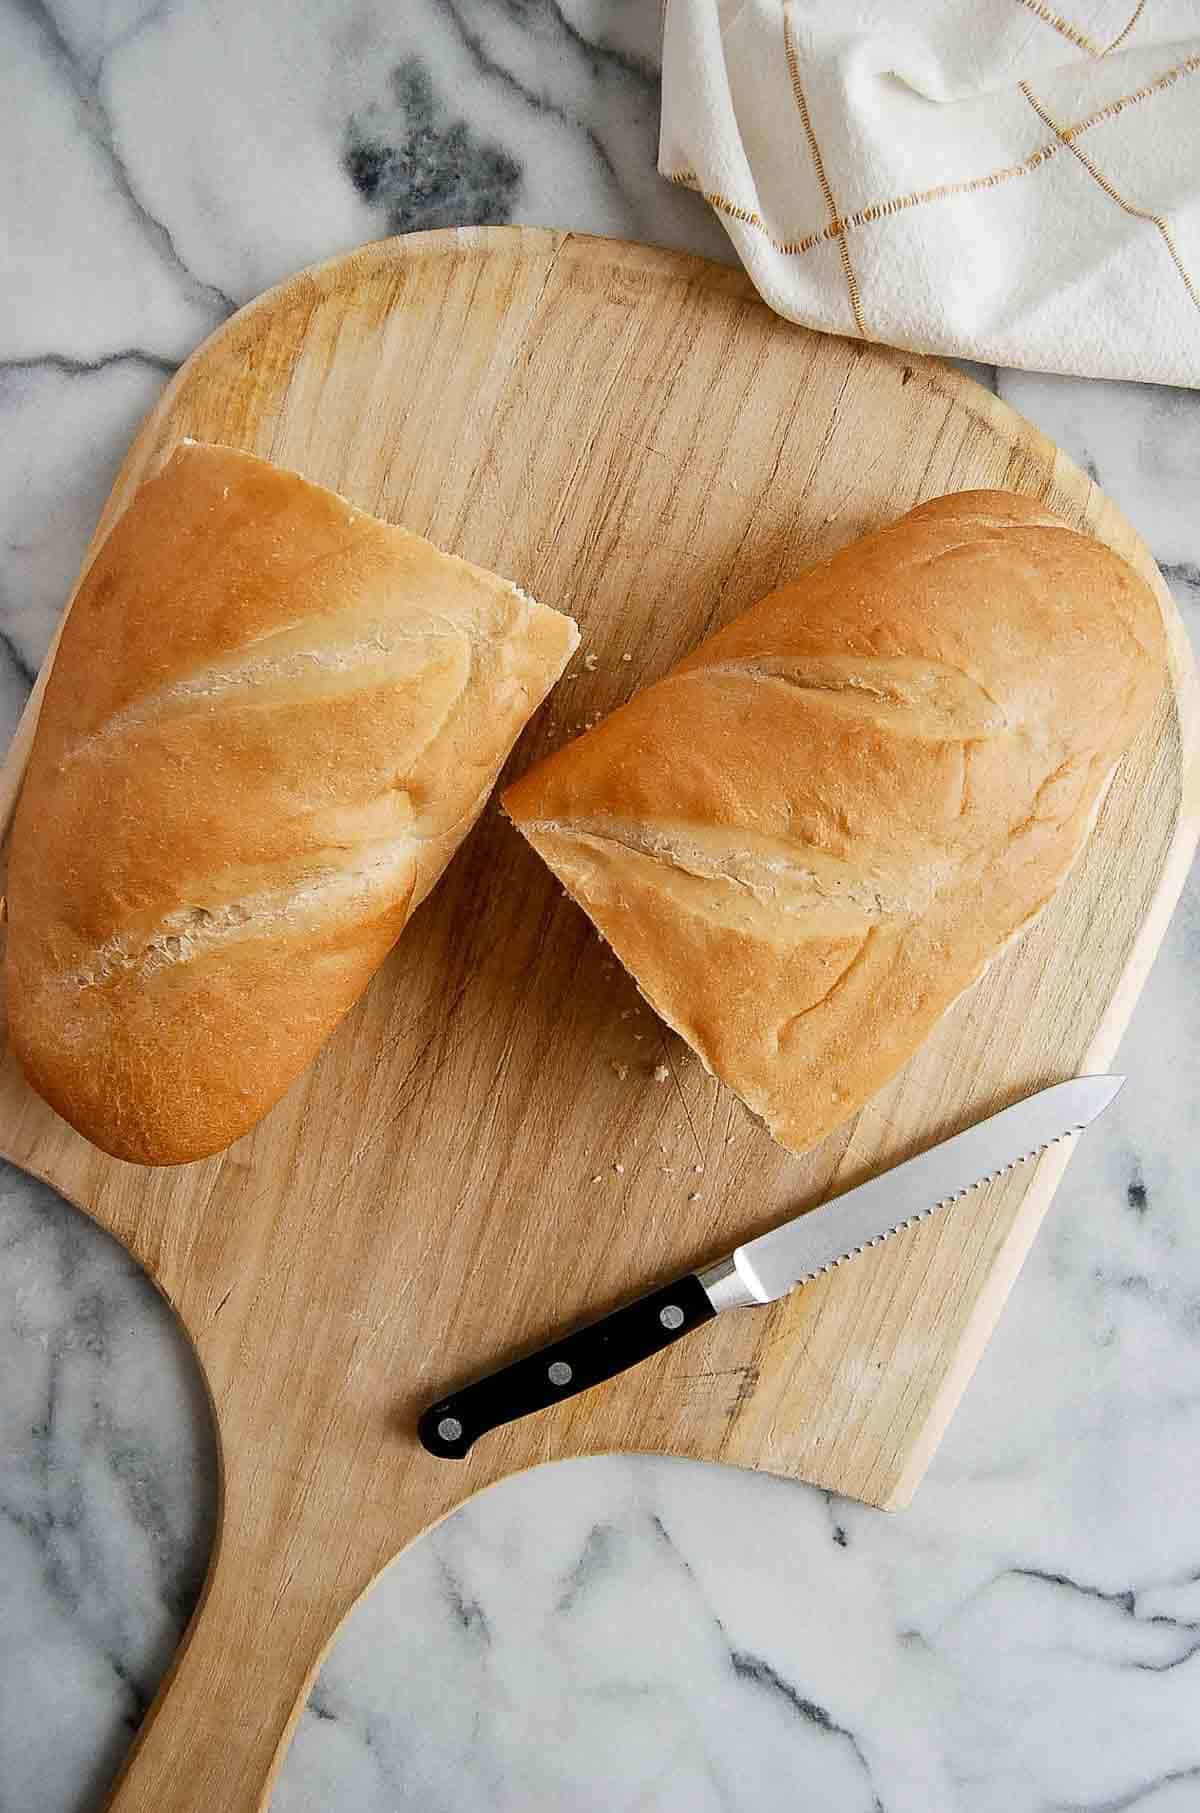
898	204
1070	32
687	179
1156	220
865	217
880	210
836	228
1168	79
1120	39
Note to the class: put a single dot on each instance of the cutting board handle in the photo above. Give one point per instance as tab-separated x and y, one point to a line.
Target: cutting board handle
214	1737
294	1552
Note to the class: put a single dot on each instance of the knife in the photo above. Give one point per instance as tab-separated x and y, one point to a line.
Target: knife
766	1268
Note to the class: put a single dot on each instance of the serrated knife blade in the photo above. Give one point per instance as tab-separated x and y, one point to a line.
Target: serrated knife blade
766	1268
844	1226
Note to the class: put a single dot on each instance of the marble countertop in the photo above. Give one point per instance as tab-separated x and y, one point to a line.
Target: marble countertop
614	1634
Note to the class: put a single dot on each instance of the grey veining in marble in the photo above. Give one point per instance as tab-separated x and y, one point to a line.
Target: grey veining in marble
107	1495
612	1634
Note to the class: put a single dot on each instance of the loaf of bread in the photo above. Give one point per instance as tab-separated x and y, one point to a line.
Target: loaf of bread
817	830
271	722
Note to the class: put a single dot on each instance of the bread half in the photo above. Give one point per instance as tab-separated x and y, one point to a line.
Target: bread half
271	722
811	836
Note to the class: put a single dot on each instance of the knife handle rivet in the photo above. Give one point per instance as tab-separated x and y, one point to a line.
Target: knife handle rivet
450	1429
671	1316
559	1373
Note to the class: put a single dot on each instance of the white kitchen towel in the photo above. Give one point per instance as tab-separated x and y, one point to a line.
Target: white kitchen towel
990	178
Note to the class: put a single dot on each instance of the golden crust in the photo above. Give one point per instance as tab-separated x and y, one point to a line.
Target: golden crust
811	836
271	721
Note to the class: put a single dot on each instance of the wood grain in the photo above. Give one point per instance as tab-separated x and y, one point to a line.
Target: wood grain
482	1154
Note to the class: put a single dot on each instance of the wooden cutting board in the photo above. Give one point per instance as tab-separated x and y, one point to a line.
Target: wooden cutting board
482	1154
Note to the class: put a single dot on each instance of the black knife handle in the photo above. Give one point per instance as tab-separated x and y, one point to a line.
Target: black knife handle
565	1368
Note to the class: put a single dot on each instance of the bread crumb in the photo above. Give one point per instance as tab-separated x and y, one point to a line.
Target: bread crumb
662	1074
590	662
698	1169
597	1178
627	657
695	1196
620	1170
